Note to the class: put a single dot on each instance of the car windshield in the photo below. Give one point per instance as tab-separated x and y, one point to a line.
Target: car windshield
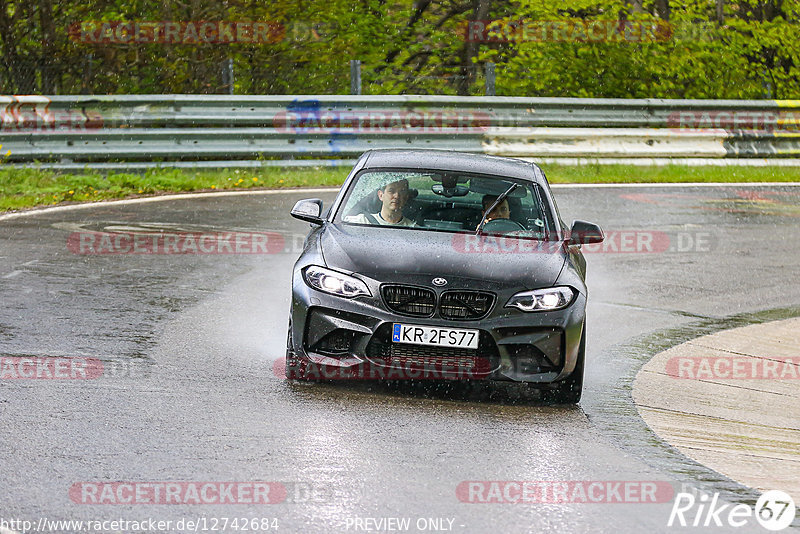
446	202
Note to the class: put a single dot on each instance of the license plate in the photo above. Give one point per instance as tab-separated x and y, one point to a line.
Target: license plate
434	335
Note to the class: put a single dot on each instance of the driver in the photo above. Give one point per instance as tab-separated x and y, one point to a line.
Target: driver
393	197
501	211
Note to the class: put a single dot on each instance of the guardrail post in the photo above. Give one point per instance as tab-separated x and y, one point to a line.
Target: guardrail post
490	78
355	76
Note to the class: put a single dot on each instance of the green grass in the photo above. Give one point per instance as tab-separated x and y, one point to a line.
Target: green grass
602	174
26	188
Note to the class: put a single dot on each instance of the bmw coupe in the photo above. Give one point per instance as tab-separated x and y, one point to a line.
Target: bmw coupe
441	265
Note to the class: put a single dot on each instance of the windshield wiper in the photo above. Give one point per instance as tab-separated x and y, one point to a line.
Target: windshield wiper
496	203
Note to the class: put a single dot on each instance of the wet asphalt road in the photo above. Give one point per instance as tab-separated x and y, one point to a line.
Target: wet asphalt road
192	340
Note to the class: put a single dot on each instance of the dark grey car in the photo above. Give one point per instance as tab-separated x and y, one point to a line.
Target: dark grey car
441	265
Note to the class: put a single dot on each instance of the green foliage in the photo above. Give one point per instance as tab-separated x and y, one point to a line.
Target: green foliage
412	47
751	54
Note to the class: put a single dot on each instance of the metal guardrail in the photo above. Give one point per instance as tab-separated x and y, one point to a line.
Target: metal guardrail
151	130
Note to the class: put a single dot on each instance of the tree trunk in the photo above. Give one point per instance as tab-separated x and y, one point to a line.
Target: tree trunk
9	50
470	50
46	65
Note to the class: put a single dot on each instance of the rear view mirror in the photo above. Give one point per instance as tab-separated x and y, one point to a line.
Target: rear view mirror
455	191
585	233
308	210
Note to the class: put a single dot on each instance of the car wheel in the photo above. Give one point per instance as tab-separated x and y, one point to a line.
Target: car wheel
569	391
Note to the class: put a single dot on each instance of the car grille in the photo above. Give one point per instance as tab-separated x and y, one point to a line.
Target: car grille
409	300
465	304
420	302
480	361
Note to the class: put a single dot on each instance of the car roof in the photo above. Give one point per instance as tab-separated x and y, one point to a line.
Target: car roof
449	160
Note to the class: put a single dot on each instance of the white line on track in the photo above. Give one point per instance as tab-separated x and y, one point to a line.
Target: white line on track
180	196
14	273
185	196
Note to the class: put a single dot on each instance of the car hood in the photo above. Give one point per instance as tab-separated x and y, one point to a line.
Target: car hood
400	254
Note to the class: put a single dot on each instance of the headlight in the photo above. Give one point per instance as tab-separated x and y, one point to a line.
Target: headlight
553	298
334	282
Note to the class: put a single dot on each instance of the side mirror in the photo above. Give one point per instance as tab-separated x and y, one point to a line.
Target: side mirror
308	210
585	233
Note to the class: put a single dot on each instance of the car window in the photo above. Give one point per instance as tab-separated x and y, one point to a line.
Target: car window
445	202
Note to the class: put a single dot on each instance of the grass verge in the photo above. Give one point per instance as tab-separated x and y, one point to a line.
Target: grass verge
27	188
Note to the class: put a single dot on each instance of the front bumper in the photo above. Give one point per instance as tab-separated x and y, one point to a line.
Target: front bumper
340	337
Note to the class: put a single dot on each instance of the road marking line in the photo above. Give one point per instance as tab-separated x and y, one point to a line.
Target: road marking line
181	196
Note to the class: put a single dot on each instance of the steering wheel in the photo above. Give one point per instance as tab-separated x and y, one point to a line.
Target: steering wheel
502	226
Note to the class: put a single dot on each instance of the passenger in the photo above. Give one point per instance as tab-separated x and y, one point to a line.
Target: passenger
393	197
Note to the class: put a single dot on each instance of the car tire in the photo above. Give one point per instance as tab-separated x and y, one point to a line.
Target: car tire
569	391
295	367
